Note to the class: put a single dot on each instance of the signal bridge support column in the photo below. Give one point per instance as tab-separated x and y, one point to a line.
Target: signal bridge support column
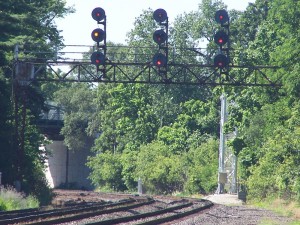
222	176
227	172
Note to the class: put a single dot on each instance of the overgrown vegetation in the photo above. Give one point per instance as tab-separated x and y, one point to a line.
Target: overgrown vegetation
10	199
281	207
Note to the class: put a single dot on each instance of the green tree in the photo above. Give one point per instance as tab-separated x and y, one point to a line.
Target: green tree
276	173
77	102
107	171
201	164
31	26
160	171
266	117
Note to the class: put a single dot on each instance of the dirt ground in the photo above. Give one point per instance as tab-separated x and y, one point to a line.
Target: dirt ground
228	209
232	211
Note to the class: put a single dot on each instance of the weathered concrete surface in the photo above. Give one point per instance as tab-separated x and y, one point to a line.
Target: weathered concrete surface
224	199
57	173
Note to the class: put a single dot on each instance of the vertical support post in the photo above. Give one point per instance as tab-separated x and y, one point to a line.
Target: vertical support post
135	55
56	54
15	144
67	168
16	53
21	153
104	49
221	171
140	188
233	188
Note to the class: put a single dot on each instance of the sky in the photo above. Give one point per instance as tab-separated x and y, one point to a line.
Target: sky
120	16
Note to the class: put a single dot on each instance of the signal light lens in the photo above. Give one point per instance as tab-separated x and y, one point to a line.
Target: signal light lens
98	14
159	60
98	35
221	38
97	58
221	16
221	61
160	15
159	36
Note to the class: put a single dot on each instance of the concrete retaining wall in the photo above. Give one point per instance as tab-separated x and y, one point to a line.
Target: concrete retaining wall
59	174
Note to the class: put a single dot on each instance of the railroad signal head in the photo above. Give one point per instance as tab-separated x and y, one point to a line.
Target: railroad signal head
97	58
98	35
160	36
159	60
221	16
221	61
221	38
160	15
98	14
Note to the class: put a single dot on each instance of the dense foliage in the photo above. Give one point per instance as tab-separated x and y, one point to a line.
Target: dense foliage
30	25
168	136
268	119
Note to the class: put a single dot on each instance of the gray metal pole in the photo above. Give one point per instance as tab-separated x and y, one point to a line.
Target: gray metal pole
16	52
221	182
234	169
140	188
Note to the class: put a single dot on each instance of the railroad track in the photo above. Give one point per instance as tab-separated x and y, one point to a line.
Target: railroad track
133	210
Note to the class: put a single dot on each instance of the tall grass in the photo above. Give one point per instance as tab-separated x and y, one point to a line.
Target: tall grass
281	207
10	199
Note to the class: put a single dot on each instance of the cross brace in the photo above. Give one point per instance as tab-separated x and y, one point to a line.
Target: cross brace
122	72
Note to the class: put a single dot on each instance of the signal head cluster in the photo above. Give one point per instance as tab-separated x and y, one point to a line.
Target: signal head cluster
221	38
98	35
160	37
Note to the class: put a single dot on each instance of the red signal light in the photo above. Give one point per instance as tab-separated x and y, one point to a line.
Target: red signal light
159	60
160	15
159	36
221	38
97	58
221	16
221	61
98	14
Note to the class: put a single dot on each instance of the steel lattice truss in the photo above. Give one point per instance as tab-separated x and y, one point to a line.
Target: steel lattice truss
134	65
122	72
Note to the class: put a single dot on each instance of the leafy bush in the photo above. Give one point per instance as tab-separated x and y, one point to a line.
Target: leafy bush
10	199
278	168
163	172
160	171
107	171
202	167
